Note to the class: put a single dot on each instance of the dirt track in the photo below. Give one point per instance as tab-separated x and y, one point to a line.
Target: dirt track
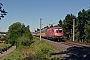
7	52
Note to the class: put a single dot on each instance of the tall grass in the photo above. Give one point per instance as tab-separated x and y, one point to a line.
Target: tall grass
12	56
37	50
4	47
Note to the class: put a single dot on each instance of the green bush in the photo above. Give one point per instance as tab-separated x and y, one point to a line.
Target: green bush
40	54
45	50
25	41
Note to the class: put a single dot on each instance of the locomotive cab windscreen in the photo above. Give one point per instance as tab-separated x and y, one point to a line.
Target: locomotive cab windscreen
58	30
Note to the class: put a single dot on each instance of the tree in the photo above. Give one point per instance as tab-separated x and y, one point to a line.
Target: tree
2	11
27	32
87	32
17	30
82	17
46	27
60	23
68	25
14	32
51	25
87	28
38	29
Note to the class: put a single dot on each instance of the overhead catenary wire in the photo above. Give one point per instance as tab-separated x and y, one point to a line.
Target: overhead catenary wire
74	11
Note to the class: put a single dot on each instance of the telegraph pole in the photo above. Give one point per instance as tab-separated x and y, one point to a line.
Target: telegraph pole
40	27
73	28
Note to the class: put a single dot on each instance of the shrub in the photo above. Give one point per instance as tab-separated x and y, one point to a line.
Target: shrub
40	54
45	50
25	41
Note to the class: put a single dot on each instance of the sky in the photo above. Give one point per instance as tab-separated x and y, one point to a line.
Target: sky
29	12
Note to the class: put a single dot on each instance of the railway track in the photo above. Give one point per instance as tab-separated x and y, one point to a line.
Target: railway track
69	50
73	43
77	44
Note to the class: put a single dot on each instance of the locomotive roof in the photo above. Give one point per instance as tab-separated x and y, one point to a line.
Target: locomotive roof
55	27
44	29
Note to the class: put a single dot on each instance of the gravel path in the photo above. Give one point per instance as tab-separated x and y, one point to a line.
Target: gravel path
67	52
7	52
60	47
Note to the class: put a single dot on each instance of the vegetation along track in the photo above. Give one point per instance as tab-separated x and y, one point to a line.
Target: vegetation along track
66	48
73	43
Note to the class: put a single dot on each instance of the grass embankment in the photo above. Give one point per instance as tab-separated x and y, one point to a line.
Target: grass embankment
4	47
12	56
36	50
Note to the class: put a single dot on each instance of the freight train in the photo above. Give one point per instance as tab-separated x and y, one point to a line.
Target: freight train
55	32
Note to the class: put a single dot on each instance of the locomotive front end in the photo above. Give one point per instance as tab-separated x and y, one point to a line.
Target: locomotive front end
59	33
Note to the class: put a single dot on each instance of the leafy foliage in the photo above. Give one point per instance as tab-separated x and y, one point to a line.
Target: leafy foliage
60	23
87	28
82	17
82	26
23	40
45	50
51	25
19	31
67	25
40	54
2	11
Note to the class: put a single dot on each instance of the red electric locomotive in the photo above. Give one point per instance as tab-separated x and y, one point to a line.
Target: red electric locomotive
55	33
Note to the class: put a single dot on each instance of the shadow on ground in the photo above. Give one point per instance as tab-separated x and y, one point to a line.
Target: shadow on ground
75	53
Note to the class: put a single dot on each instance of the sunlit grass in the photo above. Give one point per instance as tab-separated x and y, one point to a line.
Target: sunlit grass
12	56
25	51
38	45
2	45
